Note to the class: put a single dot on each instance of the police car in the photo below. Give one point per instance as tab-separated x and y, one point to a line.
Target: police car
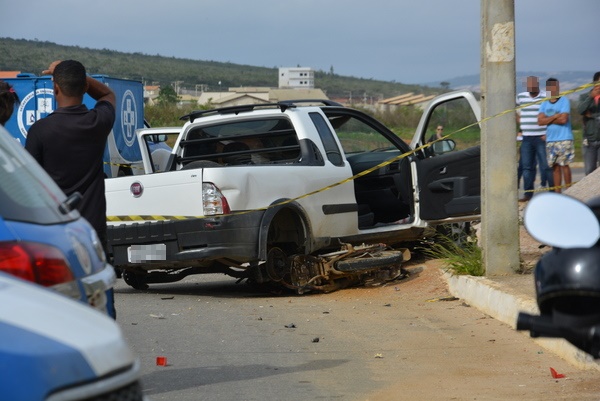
52	348
43	238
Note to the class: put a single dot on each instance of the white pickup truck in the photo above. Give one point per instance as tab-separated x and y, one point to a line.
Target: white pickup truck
307	195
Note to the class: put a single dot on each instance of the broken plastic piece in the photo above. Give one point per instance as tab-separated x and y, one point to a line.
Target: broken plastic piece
161	360
555	374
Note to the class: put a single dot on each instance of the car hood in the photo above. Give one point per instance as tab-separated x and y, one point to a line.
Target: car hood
49	342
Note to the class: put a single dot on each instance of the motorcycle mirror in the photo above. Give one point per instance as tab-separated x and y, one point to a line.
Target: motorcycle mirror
561	221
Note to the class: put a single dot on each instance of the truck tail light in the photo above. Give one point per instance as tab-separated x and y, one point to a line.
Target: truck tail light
39	263
213	200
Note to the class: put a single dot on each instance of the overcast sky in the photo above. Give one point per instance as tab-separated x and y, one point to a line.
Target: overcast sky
406	41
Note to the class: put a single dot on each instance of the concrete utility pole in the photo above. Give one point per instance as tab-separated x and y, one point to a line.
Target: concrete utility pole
499	226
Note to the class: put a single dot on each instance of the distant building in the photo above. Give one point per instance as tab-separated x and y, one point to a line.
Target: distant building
407	99
294	84
151	93
235	97
296	78
9	74
257	95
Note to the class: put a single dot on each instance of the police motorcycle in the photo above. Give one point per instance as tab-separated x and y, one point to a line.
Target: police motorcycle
567	278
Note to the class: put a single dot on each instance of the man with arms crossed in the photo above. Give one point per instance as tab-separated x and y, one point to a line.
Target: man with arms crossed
555	114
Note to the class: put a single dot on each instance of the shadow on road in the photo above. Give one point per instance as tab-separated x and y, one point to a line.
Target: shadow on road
181	379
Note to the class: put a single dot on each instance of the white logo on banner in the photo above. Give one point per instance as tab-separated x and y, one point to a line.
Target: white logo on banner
40	105
128	117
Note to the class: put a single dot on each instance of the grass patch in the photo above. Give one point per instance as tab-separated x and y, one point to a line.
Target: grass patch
459	258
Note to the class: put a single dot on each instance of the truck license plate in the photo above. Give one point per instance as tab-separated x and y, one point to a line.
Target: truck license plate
145	253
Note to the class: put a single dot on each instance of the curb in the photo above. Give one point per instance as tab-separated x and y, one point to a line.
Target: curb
504	305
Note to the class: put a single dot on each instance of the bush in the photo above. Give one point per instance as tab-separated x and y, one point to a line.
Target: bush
459	258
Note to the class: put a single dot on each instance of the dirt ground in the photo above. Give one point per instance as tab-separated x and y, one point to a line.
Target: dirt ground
531	377
459	353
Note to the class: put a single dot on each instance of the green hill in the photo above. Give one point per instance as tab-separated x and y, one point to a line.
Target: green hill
34	56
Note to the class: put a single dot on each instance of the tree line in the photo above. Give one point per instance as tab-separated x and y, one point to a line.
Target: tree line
33	56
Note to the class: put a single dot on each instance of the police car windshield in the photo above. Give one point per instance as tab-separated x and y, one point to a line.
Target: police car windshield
27	193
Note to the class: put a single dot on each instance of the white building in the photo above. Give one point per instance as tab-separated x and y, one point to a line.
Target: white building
296	78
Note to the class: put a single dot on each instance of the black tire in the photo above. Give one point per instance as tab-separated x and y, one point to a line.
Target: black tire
277	266
135	280
379	260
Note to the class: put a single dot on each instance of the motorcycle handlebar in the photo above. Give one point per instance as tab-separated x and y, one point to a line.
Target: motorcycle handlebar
538	326
586	338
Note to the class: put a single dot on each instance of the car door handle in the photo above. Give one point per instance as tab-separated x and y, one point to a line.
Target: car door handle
456	185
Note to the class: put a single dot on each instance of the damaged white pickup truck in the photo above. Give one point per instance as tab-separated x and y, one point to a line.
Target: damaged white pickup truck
306	195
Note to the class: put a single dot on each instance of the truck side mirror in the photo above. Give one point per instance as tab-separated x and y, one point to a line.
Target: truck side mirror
157	138
443	146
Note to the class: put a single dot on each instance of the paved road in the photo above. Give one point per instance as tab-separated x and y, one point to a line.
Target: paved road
403	341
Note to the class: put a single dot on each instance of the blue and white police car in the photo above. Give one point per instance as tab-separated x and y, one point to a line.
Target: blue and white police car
43	238
55	349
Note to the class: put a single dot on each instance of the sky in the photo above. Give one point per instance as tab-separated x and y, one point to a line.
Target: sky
416	41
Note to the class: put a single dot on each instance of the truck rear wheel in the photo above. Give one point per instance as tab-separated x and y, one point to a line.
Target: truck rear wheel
277	266
287	236
135	280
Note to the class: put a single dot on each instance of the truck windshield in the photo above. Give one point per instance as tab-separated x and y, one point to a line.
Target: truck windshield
247	142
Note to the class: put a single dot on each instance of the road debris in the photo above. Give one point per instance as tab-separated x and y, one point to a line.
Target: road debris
442	299
555	374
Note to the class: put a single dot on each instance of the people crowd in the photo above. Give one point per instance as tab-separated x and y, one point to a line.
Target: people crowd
545	132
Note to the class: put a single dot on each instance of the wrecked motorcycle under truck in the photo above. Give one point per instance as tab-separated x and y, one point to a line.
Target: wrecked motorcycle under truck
305	195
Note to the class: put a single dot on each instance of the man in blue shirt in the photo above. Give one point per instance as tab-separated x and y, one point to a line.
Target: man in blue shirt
555	115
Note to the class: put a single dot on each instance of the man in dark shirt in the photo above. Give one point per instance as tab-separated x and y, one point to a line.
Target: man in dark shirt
589	108
69	143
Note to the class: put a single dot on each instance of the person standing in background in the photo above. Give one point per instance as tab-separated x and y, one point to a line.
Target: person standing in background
519	161
589	108
533	144
8	99
69	143
555	114
439	133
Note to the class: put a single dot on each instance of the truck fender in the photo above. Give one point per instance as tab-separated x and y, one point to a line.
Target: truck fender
269	216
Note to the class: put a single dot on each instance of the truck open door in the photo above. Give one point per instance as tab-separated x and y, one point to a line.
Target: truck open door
449	169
